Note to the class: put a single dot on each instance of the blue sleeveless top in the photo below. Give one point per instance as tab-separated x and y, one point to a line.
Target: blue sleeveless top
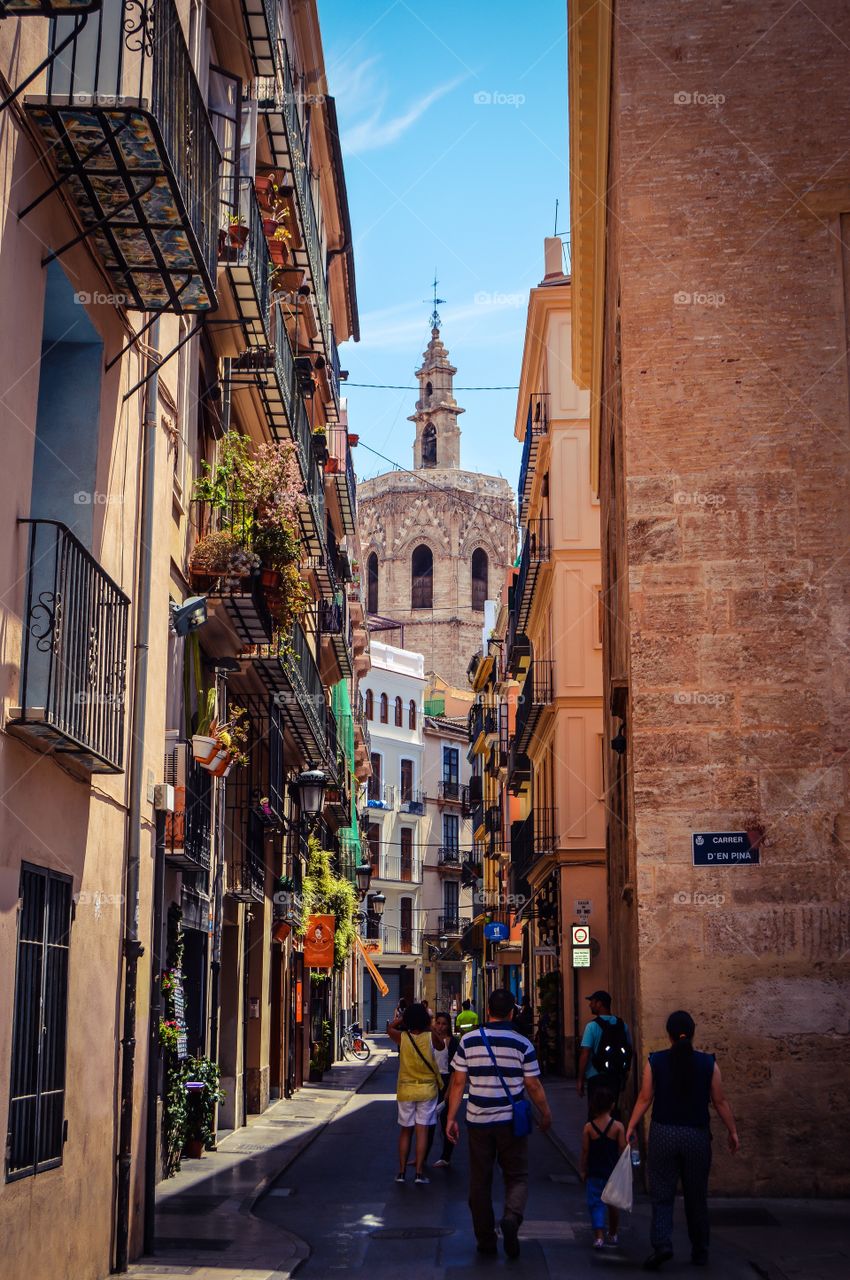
671	1107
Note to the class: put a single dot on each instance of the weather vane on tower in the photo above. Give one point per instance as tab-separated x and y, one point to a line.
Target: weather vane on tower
435	315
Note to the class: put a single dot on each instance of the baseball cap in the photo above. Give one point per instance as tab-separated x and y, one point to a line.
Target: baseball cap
603	996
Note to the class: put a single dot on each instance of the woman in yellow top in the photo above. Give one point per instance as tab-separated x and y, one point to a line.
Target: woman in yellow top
418	1087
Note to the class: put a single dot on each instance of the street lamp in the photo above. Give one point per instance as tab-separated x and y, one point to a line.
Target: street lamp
377	903
189	615
363	874
311	786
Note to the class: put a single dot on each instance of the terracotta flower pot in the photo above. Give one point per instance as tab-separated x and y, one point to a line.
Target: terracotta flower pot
263	187
332	466
204	749
270	579
238	234
194	1148
277	252
269	227
353	440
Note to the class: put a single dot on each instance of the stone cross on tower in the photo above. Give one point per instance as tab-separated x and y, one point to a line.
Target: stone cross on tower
437	442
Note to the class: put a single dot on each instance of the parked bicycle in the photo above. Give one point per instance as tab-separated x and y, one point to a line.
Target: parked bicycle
354	1045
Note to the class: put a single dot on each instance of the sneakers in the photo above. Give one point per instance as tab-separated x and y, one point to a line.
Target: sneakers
510	1235
598	1244
612	1241
441	1164
400	1176
421	1180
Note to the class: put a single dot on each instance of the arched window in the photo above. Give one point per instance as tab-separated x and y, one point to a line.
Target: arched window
422	579
429	390
479	579
429	446
370	705
372	583
385	709
398	714
411	714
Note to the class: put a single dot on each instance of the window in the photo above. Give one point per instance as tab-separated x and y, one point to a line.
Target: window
411	714
406	781
375	788
406	918
479	579
429	446
40	1028
398	714
422	579
406	839
372	584
451	764
451	831
370	705
451	900
429	390
385	709
373	840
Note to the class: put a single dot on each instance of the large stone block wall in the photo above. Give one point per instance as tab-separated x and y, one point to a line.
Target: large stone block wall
726	395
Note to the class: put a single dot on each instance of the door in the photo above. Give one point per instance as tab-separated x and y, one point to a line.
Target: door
406	916
406	781
451	900
406	837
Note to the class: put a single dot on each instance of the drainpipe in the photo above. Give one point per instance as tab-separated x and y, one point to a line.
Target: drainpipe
133	948
151	1128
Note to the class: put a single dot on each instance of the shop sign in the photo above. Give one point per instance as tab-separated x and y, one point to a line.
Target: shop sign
319	942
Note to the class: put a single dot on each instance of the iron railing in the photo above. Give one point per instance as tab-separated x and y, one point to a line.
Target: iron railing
449	855
535	836
251	254
379	795
453	926
452	790
411	801
537	693
188	830
346	481
74	651
536	427
400	940
401	867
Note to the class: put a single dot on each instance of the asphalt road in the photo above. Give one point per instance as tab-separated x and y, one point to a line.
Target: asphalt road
341	1198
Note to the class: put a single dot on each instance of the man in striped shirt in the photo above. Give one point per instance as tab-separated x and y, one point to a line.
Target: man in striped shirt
489	1118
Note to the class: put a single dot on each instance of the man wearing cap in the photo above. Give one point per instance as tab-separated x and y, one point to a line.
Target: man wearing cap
596	1037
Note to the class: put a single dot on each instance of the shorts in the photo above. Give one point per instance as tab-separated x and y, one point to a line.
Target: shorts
411	1113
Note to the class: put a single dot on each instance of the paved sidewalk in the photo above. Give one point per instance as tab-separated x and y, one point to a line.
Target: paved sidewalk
770	1239
205	1225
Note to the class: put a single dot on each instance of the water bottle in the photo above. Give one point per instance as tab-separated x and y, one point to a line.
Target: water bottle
635	1155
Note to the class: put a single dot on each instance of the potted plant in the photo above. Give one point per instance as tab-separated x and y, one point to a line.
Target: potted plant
204	740
331	466
278	248
263	186
203	1094
317	1060
353	440
238	231
320	444
230	742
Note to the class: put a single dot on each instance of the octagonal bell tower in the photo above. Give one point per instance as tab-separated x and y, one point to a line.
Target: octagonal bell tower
437	443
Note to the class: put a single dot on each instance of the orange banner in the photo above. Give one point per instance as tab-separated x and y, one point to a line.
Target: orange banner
319	942
375	975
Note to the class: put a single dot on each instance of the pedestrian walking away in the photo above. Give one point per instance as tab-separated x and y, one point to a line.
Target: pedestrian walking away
500	1065
602	1143
418	1088
606	1052
524	1019
445	1057
466	1020
678	1083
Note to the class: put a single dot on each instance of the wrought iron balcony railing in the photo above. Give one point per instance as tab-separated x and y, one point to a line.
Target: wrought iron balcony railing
536	550
537	426
335	623
453	926
244	255
340	467
410	801
125	126
400	867
188	830
262	30
535	836
379	795
536	695
400	940
452	791
73	665
289	671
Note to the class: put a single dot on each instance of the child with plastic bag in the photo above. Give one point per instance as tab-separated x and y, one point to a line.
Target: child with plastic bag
603	1139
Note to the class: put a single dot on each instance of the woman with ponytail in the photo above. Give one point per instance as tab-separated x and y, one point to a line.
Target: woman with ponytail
679	1083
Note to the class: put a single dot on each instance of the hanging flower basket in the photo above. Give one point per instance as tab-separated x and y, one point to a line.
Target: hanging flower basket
263	187
353	440
281	931
277	252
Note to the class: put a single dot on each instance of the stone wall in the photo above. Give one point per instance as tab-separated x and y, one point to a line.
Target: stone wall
726	533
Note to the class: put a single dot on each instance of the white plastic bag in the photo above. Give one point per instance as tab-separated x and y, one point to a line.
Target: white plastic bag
618	1188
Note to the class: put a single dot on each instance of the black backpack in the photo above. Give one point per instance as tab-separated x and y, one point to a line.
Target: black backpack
613	1055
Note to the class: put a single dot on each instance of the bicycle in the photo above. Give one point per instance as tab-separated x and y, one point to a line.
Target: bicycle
354	1045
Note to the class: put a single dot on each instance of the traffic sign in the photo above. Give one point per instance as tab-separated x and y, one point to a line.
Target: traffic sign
583	907
723	848
581	957
581	935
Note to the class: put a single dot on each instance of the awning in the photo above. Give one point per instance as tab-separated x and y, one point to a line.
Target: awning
367	960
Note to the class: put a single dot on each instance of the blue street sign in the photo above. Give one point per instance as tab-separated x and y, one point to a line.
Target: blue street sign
496	932
723	849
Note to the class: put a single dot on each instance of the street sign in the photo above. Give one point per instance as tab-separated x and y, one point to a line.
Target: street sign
581	957
723	848
582	907
495	931
545	951
581	935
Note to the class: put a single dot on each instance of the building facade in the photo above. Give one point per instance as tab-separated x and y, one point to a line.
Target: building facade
179	513
437	538
719	417
394	820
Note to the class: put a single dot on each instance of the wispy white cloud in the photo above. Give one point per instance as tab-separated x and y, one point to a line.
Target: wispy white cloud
359	87
403	327
375	132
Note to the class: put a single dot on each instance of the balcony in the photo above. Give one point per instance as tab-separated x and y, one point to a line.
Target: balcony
453	926
519	770
531	839
536	428
261	28
483	723
335	627
242	595
536	550
450	858
536	696
412	802
400	941
472	795
246	873
74	658
379	795
453	792
398	868
339	468
188	830
288	670
244	266
45	8
126	129
277	103
271	372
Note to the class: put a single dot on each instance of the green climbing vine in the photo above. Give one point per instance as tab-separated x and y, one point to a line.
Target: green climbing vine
325	893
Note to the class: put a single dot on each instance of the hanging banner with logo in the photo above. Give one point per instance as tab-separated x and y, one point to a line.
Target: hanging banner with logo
319	942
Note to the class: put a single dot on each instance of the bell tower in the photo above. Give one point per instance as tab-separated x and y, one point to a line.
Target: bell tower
437	443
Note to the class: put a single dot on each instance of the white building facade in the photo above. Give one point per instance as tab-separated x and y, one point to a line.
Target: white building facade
394	802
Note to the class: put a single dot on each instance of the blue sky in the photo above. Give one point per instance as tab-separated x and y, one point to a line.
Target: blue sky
454	128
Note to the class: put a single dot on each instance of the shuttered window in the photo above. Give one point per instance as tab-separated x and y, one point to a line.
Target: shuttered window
39	1034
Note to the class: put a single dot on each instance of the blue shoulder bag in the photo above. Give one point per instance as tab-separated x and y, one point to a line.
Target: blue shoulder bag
521	1107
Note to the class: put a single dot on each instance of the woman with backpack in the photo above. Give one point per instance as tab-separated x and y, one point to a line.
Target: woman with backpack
679	1083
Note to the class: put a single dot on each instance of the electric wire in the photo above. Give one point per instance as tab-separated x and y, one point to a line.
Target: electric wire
458	497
